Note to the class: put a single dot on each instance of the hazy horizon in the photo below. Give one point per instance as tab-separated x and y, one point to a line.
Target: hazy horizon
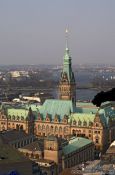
33	32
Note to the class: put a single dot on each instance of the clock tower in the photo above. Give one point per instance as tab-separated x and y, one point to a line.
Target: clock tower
67	85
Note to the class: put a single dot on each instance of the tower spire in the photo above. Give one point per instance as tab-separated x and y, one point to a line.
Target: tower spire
66	32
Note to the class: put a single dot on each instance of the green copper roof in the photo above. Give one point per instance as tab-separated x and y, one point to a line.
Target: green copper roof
67	66
75	144
84	107
20	110
82	117
59	107
34	107
17	112
84	112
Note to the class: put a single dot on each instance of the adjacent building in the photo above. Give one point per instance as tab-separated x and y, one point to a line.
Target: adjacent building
13	162
57	154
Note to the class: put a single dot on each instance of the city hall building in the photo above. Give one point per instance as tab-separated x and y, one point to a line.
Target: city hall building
63	117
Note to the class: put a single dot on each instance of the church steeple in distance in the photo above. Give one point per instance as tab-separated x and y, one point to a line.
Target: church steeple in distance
67	85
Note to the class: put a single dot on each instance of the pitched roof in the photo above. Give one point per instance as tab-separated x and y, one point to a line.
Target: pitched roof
8	154
87	111
75	144
17	112
82	117
35	146
20	110
13	135
86	107
59	107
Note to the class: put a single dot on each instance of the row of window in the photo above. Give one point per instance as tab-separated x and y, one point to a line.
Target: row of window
13	117
53	128
97	132
55	120
78	158
84	123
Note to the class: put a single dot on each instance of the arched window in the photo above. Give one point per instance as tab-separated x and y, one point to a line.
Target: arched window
17	127
21	127
97	125
60	129
39	127
51	128
74	132
47	128
56	129
43	127
65	129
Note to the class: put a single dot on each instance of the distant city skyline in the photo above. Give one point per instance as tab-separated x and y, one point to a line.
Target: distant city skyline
33	32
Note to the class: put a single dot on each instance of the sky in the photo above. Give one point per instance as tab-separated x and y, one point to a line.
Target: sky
33	31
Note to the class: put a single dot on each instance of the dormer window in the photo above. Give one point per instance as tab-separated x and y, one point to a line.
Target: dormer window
47	118
84	123
9	117
39	117
18	118
90	123
22	118
56	118
13	117
79	123
74	122
65	119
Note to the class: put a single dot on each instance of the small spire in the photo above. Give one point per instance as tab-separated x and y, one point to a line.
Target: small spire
66	32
